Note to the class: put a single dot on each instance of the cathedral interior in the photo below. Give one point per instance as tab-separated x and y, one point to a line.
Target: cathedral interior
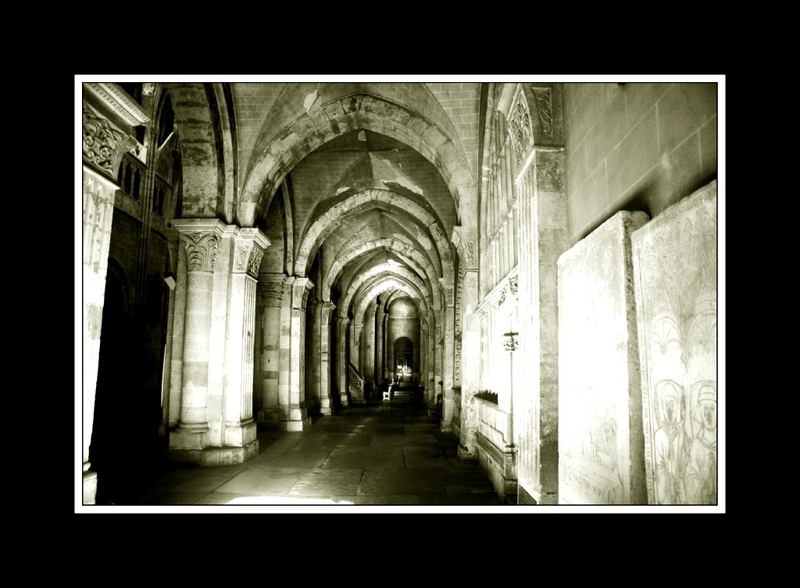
485	294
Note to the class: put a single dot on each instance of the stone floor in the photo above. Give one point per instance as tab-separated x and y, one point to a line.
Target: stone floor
382	454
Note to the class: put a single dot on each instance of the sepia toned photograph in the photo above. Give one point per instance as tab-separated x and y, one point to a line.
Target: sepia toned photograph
413	294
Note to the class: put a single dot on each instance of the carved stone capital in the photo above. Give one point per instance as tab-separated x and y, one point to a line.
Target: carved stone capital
300	289
201	251
327	311
201	239
465	240
103	143
272	292
250	245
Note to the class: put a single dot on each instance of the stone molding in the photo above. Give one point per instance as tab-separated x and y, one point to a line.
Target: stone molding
117	99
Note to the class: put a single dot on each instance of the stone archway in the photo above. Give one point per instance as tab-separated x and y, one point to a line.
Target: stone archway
342	115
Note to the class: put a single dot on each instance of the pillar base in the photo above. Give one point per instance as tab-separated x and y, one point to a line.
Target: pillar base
295	426
89	487
240	434
326	408
216	456
344	400
269	415
188	438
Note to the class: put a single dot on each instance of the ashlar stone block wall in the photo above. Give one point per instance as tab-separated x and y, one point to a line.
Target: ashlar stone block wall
642	146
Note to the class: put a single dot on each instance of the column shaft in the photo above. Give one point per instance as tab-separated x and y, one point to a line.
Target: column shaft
342	327
98	213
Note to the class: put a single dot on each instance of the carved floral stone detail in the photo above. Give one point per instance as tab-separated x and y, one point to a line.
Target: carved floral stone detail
242	256
544	109
254	261
519	127
201	250
513	285
467	255
103	145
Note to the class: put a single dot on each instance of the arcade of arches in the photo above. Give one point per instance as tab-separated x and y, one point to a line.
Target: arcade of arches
534	262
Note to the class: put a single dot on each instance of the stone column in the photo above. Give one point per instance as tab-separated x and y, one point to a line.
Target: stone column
355	343
326	311
298	413
358	346
200	238
239	438
437	362
388	358
447	365
98	213
423	353
430	382
342	325
465	240
380	341
542	239
272	295
166	381
312	372
285	355
368	364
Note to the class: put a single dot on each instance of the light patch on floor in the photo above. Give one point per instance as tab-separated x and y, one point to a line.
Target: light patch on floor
283	500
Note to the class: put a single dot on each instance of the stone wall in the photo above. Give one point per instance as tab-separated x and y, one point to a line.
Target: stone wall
675	271
641	146
600	445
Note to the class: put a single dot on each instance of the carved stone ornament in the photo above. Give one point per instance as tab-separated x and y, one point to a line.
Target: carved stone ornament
273	293
467	255
544	109
254	262
519	127
513	285
103	145
242	256
301	288
470	254
201	250
502	299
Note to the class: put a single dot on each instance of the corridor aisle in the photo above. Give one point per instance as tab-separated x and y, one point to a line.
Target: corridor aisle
384	454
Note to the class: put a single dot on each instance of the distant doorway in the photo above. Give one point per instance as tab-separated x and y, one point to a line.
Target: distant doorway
403	360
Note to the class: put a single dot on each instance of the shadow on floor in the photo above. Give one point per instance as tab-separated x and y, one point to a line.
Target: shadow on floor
379	453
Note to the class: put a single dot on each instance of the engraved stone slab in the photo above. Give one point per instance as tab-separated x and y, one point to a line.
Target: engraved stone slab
675	271
600	441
